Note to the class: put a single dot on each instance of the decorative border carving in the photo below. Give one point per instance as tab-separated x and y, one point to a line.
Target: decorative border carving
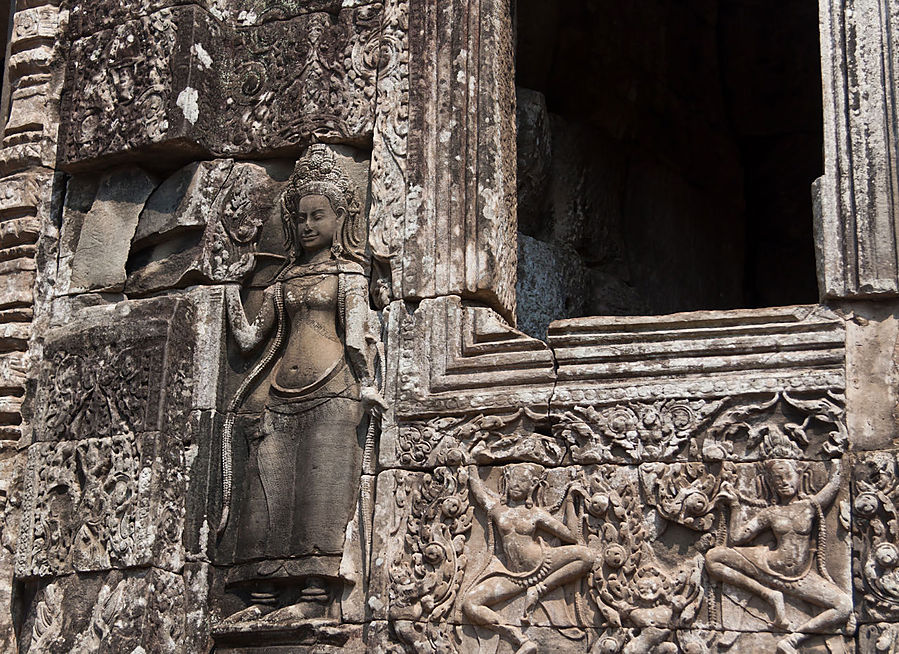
452	358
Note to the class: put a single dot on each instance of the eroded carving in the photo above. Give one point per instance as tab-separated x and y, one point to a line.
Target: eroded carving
874	519
86	509
425	581
529	566
302	483
711	430
797	564
483	439
633	432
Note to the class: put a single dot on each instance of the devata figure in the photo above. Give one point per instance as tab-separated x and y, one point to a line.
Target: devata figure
796	566
305	461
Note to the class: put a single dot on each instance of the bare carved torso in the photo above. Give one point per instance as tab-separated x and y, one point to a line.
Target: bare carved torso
313	344
518	526
791	524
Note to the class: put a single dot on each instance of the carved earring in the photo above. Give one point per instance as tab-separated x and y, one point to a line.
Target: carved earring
337	249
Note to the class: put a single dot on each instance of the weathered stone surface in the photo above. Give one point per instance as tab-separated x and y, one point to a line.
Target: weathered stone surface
116	436
209	222
98	263
857	253
458	232
195	479
872	378
883	637
390	151
118	369
641	548
875	541
119	612
11	465
540	286
386	637
701	354
180	78
91	17
450	358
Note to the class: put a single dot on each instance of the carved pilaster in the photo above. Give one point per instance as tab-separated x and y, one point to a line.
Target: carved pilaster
856	236
459	229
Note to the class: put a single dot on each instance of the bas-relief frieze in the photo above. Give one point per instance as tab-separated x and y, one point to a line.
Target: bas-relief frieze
182	77
106	470
719	544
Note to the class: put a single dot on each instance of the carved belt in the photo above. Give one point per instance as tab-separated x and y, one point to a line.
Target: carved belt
336	368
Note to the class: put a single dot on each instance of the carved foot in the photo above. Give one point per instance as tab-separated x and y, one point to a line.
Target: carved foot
527	647
532	598
297	613
788	645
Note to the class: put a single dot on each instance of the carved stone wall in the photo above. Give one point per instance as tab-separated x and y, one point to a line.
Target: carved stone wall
277	239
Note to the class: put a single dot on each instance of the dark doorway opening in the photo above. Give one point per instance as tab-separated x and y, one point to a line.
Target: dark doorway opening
666	154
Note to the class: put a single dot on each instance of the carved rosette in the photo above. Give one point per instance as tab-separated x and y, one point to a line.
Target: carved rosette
873	516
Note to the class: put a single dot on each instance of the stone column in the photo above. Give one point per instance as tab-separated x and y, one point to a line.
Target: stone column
29	182
858	255
458	233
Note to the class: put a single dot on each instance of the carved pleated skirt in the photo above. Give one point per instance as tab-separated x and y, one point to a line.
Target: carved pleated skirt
302	482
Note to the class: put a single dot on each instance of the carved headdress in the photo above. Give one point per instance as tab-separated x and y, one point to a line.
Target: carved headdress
318	172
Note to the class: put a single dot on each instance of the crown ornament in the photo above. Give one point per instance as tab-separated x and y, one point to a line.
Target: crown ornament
319	173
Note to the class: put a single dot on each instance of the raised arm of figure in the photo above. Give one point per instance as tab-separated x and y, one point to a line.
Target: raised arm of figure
249	335
741	532
361	340
744	532
482	495
825	497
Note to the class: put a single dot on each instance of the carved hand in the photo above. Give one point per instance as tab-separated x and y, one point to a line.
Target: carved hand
727	493
244	266
372	400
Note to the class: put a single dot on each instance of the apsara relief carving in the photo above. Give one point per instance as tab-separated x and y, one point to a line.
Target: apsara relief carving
309	447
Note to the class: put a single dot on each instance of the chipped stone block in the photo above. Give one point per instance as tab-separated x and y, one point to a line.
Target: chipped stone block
98	263
118	369
106	503
449	358
210	222
872	373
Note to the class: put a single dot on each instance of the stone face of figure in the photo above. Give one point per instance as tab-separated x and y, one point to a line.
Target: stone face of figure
521	483
784	478
317	223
